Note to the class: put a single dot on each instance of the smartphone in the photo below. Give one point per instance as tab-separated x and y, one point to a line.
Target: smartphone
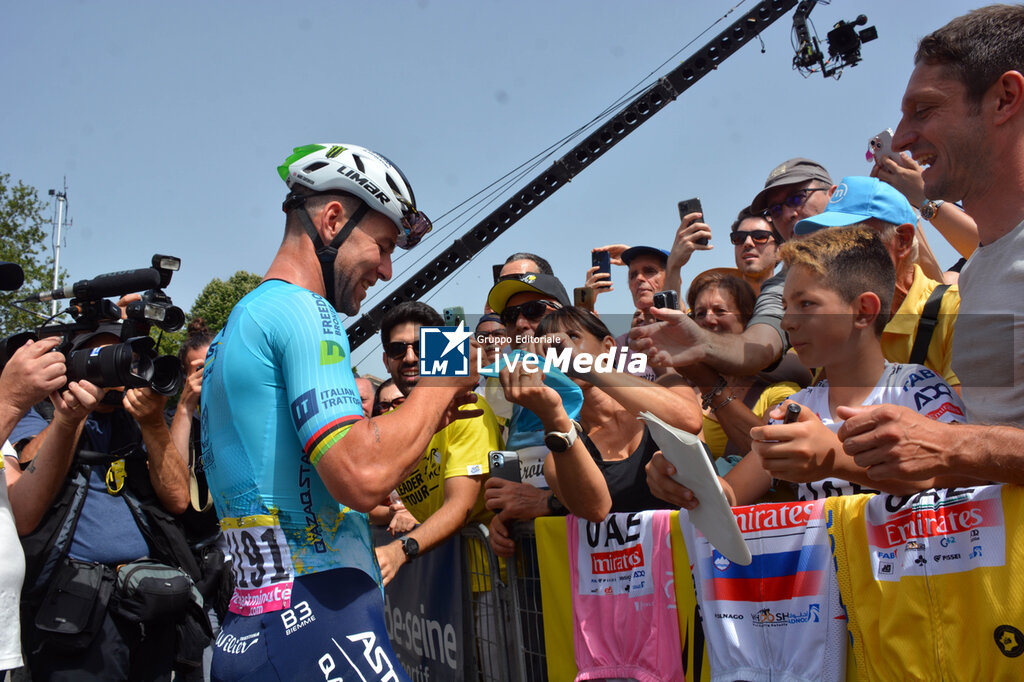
667	299
881	145
496	272
583	297
505	464
602	260
692	206
454	315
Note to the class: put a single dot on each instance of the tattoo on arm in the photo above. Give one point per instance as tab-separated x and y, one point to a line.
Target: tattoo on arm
376	431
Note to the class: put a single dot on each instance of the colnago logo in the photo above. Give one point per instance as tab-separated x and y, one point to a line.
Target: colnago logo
903	527
772	516
619	561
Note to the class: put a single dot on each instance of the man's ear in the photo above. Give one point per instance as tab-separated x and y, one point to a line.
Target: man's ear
1007	96
330	220
867	307
904	239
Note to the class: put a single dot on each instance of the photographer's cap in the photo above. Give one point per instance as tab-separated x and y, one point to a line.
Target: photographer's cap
11	276
107	328
791	172
536	282
632	252
856	199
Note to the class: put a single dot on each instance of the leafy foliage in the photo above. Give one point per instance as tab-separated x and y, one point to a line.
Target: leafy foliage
217	298
23	240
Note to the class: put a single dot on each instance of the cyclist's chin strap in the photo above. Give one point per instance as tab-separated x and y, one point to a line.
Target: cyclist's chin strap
327	254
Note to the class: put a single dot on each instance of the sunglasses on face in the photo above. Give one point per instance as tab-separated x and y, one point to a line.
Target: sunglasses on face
531	310
396	349
759	237
794	200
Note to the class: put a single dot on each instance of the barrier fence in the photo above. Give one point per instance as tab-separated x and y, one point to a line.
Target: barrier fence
930	585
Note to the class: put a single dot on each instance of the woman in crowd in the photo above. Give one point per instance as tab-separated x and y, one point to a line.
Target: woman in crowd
724	304
619	445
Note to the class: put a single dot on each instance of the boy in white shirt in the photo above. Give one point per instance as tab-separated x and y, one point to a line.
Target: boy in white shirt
837	295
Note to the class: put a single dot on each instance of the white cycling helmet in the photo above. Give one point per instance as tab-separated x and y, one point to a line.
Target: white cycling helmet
362	173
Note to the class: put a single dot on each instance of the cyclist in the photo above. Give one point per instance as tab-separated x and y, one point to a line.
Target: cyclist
291	460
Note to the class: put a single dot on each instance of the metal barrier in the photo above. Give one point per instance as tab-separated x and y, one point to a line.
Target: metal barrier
504	622
490	650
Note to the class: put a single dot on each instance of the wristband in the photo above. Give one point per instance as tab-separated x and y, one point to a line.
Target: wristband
716	390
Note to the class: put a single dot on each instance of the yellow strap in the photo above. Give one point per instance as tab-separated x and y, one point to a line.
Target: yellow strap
248	521
116	476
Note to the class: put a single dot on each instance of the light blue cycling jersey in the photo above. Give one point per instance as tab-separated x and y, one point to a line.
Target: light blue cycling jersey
278	392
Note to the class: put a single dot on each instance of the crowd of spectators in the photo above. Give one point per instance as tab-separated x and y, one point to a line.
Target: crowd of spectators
835	304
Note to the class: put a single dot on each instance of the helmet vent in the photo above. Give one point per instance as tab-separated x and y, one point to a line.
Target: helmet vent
393	185
315	166
359	163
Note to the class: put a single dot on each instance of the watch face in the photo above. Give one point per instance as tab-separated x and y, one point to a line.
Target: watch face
556	442
410	547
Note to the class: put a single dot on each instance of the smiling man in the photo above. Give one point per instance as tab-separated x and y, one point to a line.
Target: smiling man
963	118
292	462
443	492
756	244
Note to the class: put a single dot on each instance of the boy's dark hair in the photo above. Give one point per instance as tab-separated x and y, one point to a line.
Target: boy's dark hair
573	318
978	47
543	267
408	311
849	261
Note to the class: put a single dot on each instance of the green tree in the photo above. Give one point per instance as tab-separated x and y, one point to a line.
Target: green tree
217	298
213	305
23	240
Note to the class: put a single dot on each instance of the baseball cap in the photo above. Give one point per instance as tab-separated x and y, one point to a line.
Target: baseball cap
507	287
791	172
629	254
856	199
11	276
81	340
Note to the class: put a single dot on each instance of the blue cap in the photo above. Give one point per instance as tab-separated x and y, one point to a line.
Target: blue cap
629	254
855	200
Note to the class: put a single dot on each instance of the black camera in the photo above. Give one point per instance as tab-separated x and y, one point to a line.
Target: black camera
132	363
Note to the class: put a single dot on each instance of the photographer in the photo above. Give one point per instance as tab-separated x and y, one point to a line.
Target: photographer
125	478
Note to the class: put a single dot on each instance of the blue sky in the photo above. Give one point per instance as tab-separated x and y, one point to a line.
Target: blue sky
169	119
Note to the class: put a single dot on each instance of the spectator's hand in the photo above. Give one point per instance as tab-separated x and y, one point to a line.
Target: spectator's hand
685	242
145	405
674	340
662	485
391	557
800	452
32	373
600	282
401	520
905	176
500	538
894	442
193	386
515	500
453	413
74	404
529	390
614	251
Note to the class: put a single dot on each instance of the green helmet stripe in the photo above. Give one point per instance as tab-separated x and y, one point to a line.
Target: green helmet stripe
297	153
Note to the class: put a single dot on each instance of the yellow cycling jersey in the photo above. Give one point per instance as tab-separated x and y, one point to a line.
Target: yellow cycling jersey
933	583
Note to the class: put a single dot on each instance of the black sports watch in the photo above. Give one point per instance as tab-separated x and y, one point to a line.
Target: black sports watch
556	441
410	547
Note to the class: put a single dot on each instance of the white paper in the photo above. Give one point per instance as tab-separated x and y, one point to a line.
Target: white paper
713	516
